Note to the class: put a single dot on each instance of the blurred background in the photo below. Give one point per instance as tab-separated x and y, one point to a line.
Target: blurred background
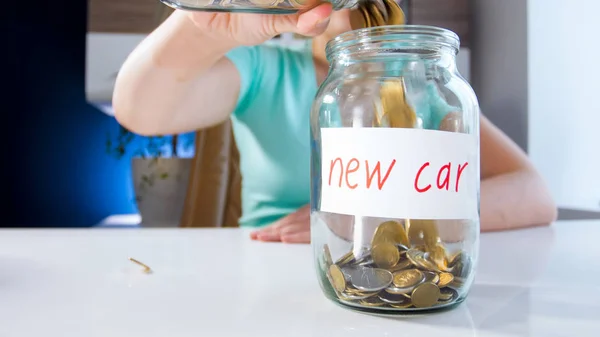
69	164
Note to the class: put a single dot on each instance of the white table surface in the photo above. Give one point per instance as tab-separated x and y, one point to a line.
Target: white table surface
216	282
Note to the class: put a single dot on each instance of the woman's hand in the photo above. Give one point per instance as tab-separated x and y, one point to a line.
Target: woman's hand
293	228
253	29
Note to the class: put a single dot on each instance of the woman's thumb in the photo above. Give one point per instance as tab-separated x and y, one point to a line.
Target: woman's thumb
310	23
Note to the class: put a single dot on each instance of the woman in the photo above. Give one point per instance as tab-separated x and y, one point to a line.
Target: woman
197	69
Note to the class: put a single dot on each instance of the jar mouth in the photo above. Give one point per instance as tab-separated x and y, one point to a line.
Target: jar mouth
399	37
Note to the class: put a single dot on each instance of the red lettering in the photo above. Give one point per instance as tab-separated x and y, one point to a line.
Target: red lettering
446	182
421	190
351	170
332	166
377	170
460	169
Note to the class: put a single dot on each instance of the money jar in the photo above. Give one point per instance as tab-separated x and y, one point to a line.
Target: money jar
255	6
395	172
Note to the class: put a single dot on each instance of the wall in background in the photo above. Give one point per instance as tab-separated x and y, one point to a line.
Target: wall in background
499	63
57	172
533	69
564	140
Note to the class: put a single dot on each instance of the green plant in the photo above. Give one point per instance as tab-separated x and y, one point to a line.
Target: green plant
152	148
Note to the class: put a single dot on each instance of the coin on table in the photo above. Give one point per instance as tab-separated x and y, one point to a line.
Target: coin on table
445	279
425	295
408	278
370	279
357	19
390	232
395	14
385	255
337	278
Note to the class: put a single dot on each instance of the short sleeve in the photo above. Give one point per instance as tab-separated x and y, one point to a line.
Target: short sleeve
439	107
247	63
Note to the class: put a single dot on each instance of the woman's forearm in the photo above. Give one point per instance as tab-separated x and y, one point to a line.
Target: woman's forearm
165	83
515	200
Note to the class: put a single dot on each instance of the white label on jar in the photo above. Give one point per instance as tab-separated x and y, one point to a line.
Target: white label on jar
399	173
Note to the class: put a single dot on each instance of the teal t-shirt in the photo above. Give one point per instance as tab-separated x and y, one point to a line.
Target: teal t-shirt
271	126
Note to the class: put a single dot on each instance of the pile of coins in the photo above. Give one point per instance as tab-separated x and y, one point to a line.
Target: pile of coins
375	13
404	268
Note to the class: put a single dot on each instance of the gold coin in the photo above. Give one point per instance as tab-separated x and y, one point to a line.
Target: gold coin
423	232
401	265
338	279
408	278
420	260
438	256
445	279
394	105
373	301
368	20
357	19
432	277
425	295
345	259
404	305
375	14
385	255
395	13
390	232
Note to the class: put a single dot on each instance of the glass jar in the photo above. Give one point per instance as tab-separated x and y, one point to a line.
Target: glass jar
395	172
255	6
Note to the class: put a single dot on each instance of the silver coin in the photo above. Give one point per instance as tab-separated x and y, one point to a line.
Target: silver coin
393	298
448	294
356	296
431	277
399	291
370	279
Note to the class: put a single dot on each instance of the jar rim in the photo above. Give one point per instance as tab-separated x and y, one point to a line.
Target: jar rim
412	34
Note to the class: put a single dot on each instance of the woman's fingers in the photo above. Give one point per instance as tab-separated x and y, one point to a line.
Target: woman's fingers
299	237
314	21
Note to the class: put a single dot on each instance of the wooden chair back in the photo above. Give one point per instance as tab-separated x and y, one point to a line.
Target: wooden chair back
214	190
